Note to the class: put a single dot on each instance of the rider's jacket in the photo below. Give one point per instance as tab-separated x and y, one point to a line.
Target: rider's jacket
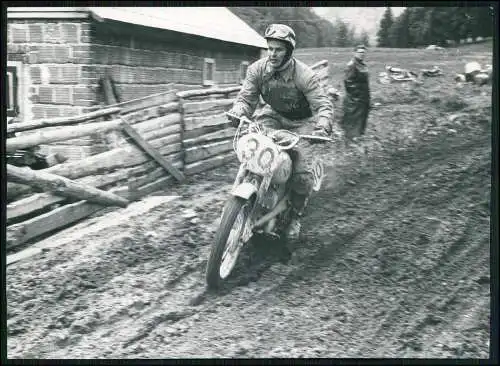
294	92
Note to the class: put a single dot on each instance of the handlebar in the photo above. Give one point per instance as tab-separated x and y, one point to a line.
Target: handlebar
294	137
240	118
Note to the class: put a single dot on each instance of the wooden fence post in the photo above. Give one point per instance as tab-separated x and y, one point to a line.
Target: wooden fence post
183	128
113	138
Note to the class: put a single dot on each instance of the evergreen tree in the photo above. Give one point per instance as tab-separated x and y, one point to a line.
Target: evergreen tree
364	38
481	21
394	36
351	36
457	24
439	25
326	34
310	28
341	34
399	34
384	27
418	26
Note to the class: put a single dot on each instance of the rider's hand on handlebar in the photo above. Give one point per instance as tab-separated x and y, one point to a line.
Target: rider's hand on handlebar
333	132
280	137
320	131
233	120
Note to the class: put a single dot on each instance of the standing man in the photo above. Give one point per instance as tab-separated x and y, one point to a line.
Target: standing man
294	98
357	98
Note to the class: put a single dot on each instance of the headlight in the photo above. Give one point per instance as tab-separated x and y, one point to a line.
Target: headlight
266	158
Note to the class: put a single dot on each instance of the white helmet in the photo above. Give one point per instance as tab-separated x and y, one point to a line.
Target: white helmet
281	32
471	67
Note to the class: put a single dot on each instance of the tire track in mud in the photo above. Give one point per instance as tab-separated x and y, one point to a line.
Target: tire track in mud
427	299
313	260
117	263
359	270
282	284
386	211
157	320
396	312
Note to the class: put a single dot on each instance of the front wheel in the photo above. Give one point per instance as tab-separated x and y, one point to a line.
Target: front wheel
227	244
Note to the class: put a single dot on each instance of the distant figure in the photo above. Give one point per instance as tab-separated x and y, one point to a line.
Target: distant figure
357	97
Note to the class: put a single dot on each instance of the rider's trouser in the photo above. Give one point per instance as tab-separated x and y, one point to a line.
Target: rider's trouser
302	180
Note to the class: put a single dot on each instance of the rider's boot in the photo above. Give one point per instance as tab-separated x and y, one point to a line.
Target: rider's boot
292	235
299	203
293	230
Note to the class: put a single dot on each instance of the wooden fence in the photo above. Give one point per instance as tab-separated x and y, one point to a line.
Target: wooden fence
158	140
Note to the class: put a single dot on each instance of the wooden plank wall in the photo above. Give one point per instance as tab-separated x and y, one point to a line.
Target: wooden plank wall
207	136
187	128
125	170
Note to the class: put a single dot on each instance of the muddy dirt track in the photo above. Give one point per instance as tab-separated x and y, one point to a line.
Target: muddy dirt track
395	259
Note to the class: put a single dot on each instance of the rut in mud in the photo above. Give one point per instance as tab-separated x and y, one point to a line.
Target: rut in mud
395	260
395	263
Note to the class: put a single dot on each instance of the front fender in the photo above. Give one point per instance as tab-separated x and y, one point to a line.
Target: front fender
244	190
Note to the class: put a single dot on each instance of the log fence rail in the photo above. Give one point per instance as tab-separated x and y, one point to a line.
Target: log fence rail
163	138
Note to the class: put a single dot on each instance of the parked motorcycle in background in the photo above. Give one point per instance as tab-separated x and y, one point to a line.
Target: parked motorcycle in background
259	201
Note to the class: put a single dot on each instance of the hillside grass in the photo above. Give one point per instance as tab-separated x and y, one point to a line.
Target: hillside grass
450	60
403	110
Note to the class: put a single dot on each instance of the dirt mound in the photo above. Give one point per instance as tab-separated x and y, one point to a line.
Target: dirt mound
394	261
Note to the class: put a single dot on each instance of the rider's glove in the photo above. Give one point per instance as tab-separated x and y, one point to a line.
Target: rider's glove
234	122
325	124
334	94
320	131
236	112
323	127
333	131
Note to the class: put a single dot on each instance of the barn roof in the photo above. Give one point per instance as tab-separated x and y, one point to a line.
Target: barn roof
211	22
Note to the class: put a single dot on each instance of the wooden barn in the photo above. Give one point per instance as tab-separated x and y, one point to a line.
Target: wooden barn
58	57
102	112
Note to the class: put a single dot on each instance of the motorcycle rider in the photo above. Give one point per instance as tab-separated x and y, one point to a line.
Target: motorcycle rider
294	97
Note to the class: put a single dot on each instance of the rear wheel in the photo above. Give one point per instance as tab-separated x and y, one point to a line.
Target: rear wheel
227	243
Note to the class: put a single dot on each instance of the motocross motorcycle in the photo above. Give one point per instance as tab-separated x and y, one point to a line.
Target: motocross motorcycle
260	198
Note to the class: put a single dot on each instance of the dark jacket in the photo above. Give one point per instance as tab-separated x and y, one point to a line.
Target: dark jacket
356	81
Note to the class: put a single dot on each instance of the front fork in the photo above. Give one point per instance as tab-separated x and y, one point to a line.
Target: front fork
262	184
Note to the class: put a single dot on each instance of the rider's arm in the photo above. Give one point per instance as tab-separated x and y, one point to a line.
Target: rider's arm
321	104
248	97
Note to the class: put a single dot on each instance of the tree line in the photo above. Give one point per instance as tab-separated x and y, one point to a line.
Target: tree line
311	29
421	26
